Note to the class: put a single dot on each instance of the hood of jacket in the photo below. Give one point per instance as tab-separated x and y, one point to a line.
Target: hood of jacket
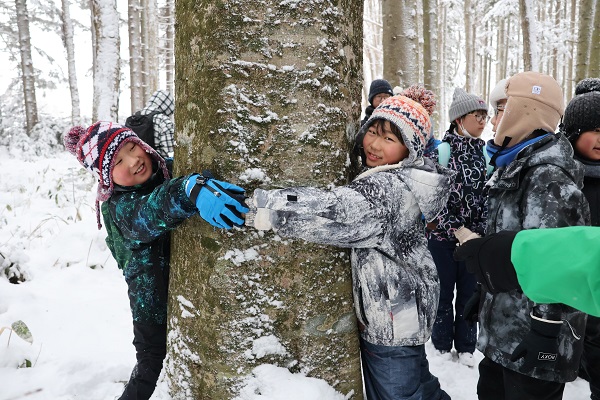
161	101
553	149
429	183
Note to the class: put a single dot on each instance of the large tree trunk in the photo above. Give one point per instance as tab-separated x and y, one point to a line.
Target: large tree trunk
400	46
107	60
267	94
72	72
27	71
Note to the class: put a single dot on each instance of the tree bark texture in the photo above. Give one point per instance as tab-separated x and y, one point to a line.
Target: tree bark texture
268	94
135	55
27	71
583	40
400	46
107	60
72	72
594	69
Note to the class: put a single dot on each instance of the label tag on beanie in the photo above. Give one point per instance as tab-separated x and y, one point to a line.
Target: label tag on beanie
536	90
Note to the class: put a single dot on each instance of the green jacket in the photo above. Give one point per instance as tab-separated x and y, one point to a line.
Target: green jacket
560	265
138	221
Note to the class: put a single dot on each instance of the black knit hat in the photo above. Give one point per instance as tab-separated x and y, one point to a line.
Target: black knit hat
379	86
583	111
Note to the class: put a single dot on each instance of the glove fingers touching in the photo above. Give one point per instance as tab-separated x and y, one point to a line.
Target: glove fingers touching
219	203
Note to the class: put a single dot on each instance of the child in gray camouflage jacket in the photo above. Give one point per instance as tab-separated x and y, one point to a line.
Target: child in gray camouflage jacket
378	216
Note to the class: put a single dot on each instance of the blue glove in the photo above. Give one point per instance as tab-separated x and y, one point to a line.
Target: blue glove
221	204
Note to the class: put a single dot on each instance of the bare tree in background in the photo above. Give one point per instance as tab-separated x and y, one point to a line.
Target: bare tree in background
169	42
267	94
594	69
67	26
135	55
106	42
430	50
586	18
27	71
149	35
400	46
528	21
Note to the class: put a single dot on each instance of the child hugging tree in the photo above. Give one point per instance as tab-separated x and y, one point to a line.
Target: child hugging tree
141	206
378	216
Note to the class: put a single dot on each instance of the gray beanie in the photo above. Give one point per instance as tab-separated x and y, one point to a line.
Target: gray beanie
464	103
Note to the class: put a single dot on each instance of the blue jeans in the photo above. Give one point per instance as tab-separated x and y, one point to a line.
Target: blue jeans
450	326
398	373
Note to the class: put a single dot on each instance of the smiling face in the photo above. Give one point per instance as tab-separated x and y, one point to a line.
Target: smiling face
382	146
132	166
588	145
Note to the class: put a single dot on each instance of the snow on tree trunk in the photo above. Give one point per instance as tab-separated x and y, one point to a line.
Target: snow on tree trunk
151	46
586	18
430	50
469	62
135	55
400	46
529	28
27	71
105	19
168	47
70	48
268	94
594	69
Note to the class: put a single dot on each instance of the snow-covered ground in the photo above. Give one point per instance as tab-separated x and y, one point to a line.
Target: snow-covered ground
75	304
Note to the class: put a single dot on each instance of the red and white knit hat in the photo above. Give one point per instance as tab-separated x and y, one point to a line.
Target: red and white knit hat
95	149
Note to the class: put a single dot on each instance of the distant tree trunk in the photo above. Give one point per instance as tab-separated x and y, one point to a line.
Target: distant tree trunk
267	94
528	27
67	25
372	47
400	46
135	55
149	37
107	66
168	47
594	69
583	40
430	50
151	45
572	26
27	71
441	105
468	13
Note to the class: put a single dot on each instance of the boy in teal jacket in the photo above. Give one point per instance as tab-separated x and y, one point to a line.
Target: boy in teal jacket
141	206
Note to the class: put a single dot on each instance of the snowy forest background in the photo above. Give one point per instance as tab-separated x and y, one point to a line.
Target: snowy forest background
75	62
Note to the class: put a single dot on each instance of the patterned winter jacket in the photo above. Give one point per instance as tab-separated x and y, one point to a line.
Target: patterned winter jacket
541	188
466	204
378	216
164	129
138	221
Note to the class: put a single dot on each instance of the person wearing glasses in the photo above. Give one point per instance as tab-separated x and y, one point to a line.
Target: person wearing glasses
498	100
465	208
531	349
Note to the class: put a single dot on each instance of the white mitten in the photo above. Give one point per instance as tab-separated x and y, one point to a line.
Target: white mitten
463	234
258	218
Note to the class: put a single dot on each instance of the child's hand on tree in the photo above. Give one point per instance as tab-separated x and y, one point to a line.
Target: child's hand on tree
219	203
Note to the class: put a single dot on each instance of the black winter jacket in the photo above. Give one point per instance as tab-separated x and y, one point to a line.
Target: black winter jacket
541	188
